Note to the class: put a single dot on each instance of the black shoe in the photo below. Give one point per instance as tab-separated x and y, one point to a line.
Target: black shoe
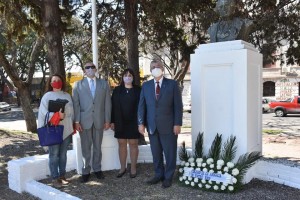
166	183
99	175
85	178
154	180
120	174
132	175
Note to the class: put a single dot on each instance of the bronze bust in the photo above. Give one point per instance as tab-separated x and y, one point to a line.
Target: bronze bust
227	29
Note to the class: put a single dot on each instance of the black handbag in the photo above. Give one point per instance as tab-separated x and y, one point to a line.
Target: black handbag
49	134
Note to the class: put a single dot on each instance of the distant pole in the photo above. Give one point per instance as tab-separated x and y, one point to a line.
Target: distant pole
94	34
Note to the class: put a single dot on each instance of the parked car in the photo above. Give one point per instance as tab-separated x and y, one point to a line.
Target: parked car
289	106
265	105
4	106
187	106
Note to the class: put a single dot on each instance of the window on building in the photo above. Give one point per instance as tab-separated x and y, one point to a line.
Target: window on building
269	89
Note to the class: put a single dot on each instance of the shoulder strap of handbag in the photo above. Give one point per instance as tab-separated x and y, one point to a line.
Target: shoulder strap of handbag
46	119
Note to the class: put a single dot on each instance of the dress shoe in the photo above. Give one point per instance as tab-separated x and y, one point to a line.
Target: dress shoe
166	183
99	175
154	180
132	175
56	183
85	178
120	174
63	180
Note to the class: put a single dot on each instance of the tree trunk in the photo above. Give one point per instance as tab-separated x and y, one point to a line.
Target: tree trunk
185	64
133	43
28	113
52	26
132	38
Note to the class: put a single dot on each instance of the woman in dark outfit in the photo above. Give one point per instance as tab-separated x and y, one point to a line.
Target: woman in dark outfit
125	100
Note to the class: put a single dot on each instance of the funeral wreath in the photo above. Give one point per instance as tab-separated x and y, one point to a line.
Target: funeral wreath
215	171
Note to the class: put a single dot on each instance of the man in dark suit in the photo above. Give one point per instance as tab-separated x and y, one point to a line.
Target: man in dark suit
161	107
92	108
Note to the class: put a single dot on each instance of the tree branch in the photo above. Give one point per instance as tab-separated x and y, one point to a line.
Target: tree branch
33	58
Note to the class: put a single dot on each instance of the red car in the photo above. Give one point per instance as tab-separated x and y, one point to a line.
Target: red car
289	106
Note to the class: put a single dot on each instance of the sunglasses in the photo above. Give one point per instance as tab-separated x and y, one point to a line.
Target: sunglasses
88	67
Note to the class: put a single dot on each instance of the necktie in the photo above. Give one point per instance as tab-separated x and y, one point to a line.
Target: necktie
92	87
157	90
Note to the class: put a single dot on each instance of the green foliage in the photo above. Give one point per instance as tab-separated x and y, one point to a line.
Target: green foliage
229	149
215	149
247	160
183	154
199	146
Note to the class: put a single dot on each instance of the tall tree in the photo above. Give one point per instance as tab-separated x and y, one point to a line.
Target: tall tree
132	37
18	17
52	25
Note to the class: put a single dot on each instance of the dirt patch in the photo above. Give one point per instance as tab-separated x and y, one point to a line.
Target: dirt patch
281	146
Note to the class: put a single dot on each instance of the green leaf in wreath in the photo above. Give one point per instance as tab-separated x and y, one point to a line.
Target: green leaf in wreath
215	149
229	150
199	146
183	154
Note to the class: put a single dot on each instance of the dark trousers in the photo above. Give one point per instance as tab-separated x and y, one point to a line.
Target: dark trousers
164	144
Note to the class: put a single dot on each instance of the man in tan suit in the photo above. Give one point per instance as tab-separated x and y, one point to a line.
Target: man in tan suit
92	109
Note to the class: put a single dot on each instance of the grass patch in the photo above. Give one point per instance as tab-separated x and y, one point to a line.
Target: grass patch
271	132
15	132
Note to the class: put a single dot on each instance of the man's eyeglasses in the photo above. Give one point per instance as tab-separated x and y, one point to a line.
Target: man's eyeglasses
88	67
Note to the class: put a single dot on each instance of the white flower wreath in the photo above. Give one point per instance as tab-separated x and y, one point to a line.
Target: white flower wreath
216	171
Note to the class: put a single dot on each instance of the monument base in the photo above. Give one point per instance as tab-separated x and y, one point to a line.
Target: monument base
226	94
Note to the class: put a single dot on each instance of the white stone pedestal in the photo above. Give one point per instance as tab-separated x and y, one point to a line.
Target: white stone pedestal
110	155
226	94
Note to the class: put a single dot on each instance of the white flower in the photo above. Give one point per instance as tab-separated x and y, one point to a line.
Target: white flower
199	164
216	187
204	169
235	172
223	187
187	183
234	180
191	160
203	181
231	188
182	163
199	159
220	162
210	182
192	164
219	167
197	169
192	184
209	161
184	177
230	165
217	182
187	164
225	169
211	171
207	186
180	170
211	165
204	165
200	185
196	180
180	179
219	172
190	178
